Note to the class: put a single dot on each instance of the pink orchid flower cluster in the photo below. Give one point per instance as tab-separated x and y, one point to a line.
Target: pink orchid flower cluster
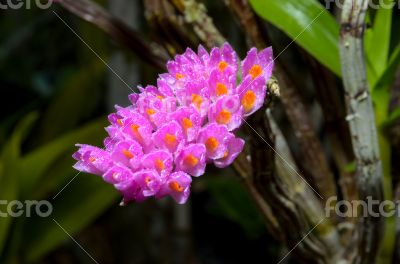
170	132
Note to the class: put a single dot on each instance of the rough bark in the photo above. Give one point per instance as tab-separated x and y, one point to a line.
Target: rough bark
360	115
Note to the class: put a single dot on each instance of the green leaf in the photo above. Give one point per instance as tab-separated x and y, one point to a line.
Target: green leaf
388	75
393	117
78	97
377	41
9	172
37	163
308	23
85	199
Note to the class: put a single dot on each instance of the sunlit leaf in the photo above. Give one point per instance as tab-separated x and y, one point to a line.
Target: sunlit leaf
377	41
308	23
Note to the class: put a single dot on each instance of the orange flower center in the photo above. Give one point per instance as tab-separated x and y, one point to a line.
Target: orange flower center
147	180
221	89
150	111
119	121
197	100
222	65
190	160
212	144
160	97
255	71
186	123
224	117
91	159
226	154
248	101
174	185
179	76
135	131
170	140
127	154
159	164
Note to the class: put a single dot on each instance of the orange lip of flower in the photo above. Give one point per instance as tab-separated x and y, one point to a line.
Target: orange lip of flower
225	154
222	65
179	76
170	140
255	71
120	123
150	111
212	144
221	89
248	101
91	159
174	185
160	97
159	164
224	117
190	160
135	131
147	180
127	154
197	100
186	123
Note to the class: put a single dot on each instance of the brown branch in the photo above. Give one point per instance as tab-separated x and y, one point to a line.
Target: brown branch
311	148
116	29
290	197
248	21
329	97
168	28
195	15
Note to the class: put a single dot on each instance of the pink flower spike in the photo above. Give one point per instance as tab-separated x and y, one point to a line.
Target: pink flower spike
169	136
118	174
155	106
252	94
171	131
165	87
149	182
235	146
177	186
91	159
224	58
159	160
192	160
130	191
128	152
258	64
137	128
226	111
213	137
190	121
220	84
